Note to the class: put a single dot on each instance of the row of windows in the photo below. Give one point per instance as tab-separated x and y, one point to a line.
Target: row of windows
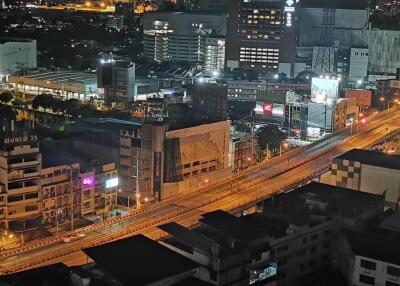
258	49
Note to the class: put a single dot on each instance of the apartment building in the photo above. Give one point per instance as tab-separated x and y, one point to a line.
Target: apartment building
369	258
232	251
57	188
304	227
20	184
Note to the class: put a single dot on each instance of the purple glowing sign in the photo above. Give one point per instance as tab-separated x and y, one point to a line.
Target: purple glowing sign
88	182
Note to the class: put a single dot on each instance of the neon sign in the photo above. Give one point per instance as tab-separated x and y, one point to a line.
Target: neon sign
88	182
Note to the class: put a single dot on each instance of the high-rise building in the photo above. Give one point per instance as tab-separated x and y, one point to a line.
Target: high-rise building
118	80
210	100
215	55
180	36
255	31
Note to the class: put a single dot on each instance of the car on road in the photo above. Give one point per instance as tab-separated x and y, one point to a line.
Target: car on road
73	237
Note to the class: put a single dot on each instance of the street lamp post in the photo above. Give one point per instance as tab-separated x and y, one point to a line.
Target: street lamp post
284	145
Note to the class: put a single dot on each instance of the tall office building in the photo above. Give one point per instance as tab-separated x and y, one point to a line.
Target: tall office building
255	31
215	54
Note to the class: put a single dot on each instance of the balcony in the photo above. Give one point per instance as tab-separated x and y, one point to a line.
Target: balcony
22	190
24	164
20	174
23	151
55	179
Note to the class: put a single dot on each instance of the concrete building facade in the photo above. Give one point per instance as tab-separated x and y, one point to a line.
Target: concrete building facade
384	55
117	78
16	54
20	167
369	171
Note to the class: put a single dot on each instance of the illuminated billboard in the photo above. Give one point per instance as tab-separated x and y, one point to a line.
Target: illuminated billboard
88	182
269	109
324	91
112	183
314	132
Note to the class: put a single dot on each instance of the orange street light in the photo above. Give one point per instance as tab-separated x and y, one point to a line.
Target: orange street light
206	180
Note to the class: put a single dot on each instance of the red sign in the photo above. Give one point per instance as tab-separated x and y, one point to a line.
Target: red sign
363	97
267	108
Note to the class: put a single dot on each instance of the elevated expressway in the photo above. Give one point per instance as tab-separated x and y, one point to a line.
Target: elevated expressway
232	194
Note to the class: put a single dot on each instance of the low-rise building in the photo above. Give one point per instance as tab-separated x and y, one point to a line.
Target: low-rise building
232	251
66	84
368	171
16	54
369	258
304	227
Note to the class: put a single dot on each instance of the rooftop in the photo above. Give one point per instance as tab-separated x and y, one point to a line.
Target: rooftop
232	226
366	244
140	260
372	158
52	275
337	4
56	153
321	199
63	77
14	39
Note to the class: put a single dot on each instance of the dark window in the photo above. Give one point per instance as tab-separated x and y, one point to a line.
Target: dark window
314	236
304	240
388	283
312	262
368	264
367	279
11	199
394	271
31	196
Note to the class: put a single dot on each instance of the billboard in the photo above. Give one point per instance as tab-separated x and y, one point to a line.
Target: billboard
362	96
269	109
324	91
112	183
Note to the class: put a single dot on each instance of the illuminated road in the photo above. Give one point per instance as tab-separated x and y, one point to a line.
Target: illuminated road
238	192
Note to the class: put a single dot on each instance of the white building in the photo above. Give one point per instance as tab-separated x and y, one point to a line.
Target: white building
215	54
369	258
179	36
358	67
15	54
384	52
370	172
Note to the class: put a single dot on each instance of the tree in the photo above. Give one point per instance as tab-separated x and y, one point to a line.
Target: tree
7	113
43	100
270	135
6	97
72	106
243	128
